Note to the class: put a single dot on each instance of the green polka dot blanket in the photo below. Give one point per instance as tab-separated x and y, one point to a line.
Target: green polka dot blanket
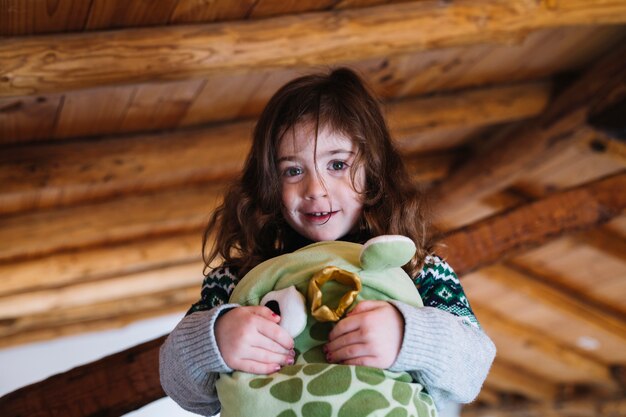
311	387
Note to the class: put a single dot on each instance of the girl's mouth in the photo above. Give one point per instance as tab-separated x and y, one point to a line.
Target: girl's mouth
319	217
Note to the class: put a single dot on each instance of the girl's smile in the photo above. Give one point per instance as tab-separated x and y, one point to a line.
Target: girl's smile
319	200
320	218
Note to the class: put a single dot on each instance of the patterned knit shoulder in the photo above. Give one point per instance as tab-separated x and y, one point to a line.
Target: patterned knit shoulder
216	289
440	287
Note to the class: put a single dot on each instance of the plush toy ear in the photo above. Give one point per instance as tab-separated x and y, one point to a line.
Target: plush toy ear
387	251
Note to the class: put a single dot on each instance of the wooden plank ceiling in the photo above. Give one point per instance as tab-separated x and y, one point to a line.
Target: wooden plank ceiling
120	121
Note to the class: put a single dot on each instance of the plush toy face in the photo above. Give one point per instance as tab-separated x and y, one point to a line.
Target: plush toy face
311	386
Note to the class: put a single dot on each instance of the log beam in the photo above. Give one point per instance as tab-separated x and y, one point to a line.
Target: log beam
111	386
174	212
59	174
38	64
101	316
564	122
75	267
531	225
142	283
581	407
508	378
584	312
510	330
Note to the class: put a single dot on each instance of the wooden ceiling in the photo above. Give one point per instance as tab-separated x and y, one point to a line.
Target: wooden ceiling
120	121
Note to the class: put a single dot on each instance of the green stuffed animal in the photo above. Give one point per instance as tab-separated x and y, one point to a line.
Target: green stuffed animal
311	386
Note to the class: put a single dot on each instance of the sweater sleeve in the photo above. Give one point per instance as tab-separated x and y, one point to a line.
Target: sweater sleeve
444	347
189	359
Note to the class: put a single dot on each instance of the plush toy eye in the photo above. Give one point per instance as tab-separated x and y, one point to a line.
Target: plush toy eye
273	305
290	305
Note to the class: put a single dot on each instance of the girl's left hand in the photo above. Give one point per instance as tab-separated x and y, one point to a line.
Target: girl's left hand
370	335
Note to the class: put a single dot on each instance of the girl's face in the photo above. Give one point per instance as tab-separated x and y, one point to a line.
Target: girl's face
318	199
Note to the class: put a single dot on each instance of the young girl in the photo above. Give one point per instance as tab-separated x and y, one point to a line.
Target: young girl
323	167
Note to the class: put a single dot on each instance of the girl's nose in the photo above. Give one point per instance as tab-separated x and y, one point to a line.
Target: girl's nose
315	188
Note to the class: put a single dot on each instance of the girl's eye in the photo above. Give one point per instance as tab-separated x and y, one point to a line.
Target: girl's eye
292	172
338	165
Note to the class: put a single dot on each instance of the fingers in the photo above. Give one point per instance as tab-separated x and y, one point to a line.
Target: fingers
249	336
268	357
371	335
354	318
264	312
366	305
275	333
259	368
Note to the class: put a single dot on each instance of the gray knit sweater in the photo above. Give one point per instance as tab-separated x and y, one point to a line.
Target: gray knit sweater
443	348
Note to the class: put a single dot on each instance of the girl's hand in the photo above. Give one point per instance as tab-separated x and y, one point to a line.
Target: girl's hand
370	335
250	340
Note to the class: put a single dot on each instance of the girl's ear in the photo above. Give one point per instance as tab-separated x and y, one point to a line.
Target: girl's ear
386	251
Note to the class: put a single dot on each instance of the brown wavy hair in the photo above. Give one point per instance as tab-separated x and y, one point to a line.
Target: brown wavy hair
248	227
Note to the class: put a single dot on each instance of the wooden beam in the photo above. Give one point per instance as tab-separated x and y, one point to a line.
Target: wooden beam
606	241
488	396
582	407
469	108
142	283
582	311
38	64
112	386
59	174
100	316
536	223
512	379
173	212
68	268
588	368
563	122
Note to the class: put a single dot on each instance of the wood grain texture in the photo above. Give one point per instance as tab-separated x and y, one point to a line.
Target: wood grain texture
422	73
80	266
108	14
536	223
515	380
115	221
583	406
563	317
537	289
83	294
28	118
193	11
59	174
96	317
563	123
568	263
55	175
27	17
478	107
36	65
530	349
112	386
72	325
106	109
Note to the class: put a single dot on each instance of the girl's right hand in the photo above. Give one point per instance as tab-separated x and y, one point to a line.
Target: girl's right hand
250	340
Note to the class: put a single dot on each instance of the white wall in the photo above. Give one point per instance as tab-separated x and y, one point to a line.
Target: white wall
23	365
